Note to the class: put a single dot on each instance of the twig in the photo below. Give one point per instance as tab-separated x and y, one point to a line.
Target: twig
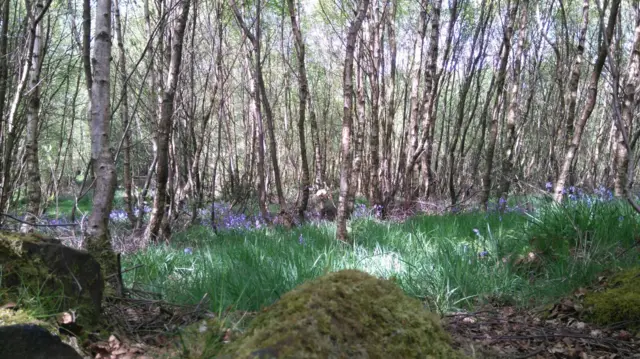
200	303
531	354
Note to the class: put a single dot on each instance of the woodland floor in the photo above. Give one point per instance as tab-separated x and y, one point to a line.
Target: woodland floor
502	290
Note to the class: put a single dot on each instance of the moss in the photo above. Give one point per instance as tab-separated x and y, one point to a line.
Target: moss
619	303
51	276
102	251
12	317
200	339
346	314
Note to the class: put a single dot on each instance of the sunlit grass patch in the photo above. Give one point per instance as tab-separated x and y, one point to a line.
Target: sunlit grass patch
451	261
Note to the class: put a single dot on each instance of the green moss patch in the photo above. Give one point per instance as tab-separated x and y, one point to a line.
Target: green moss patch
346	314
619	303
59	278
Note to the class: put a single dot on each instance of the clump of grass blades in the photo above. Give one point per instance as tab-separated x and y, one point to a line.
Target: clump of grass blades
560	230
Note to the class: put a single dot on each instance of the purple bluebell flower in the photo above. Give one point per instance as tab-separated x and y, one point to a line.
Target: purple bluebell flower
301	239
548	186
483	254
188	250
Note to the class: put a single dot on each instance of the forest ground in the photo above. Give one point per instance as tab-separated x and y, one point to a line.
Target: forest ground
508	282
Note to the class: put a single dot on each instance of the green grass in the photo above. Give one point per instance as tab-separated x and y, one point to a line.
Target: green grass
63	205
433	258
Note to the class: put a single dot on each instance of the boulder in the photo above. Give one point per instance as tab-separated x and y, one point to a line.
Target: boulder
51	270
346	314
29	341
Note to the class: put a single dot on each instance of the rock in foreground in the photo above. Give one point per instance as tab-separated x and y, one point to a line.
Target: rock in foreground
51	270
346	314
32	342
619	303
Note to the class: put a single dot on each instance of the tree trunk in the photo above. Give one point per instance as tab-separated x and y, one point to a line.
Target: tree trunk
303	95
33	121
98	240
4	75
513	113
124	113
414	115
574	77
165	123
493	130
375	195
470	72
347	120
387	145
627	112
429	102
592	93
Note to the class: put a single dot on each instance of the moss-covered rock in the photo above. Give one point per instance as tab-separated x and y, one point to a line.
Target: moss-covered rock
33	342
346	314
14	317
619	302
62	278
20	331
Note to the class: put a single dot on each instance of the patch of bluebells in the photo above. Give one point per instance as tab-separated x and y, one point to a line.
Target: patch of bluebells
576	195
146	209
118	216
502	207
362	211
225	218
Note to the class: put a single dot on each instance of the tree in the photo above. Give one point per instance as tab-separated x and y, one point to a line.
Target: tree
33	114
505	50
97	239
513	113
624	127
592	93
255	40
303	94
165	124
124	114
347	120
